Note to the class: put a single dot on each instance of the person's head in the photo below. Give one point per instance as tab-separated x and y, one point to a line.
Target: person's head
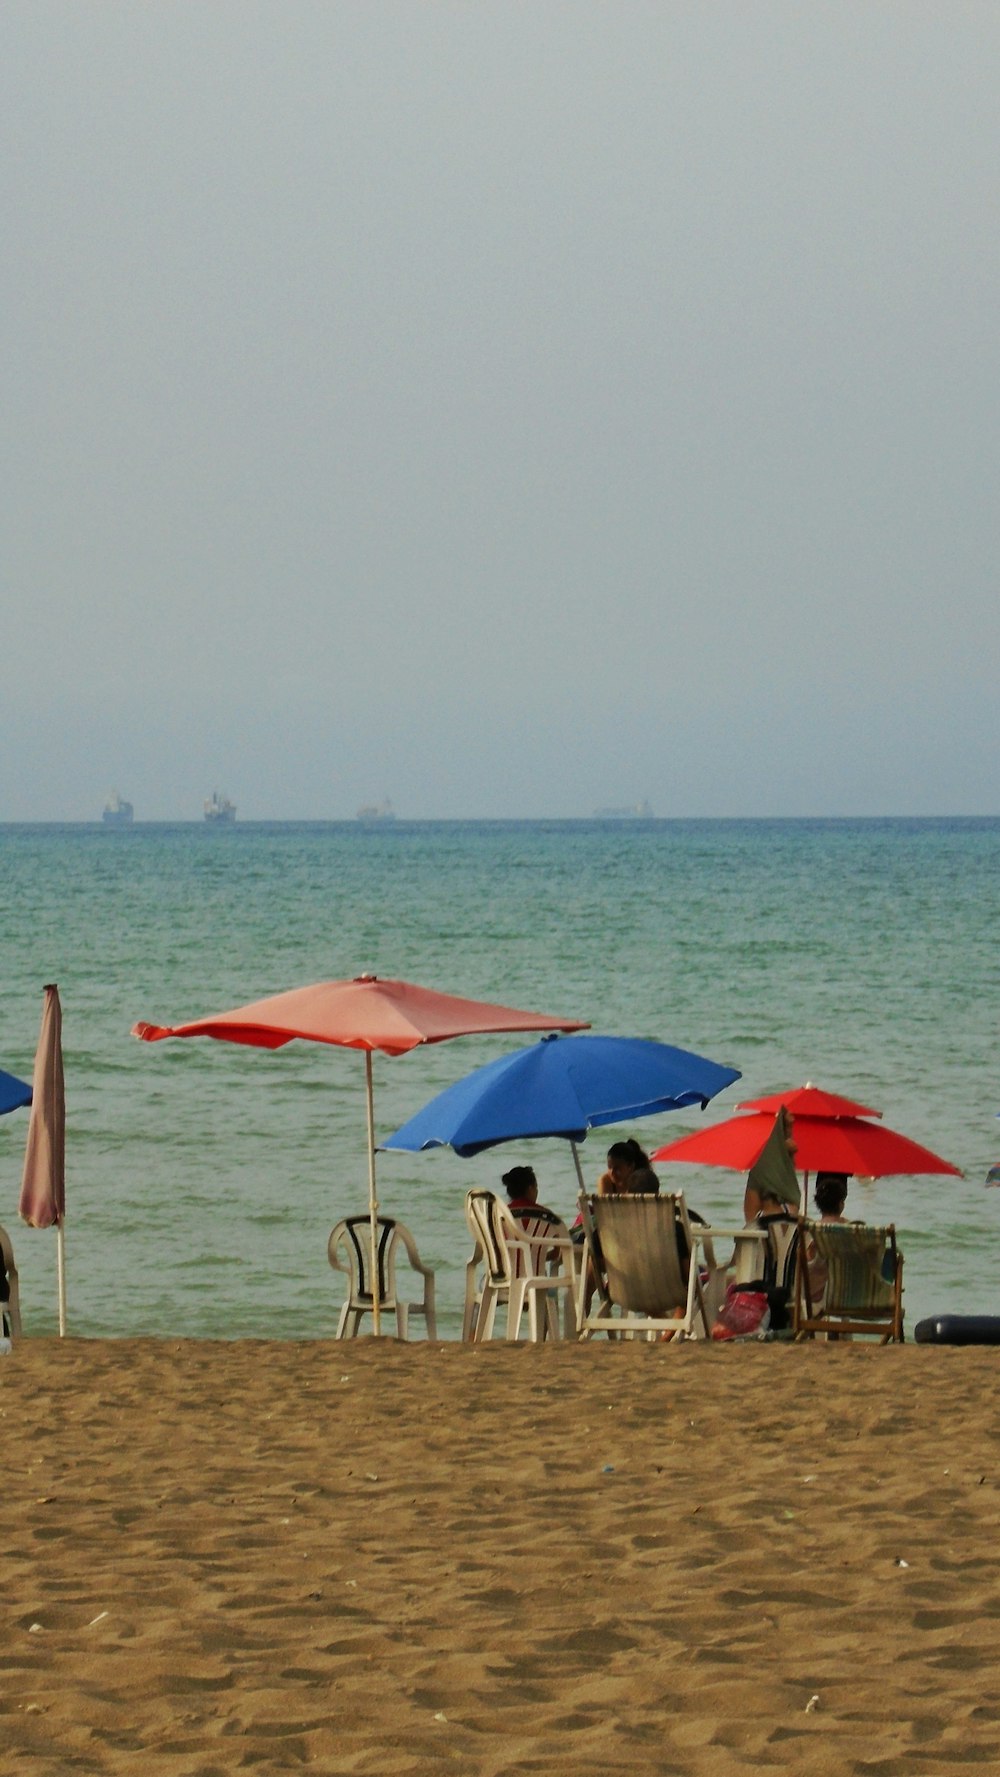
831	1193
520	1184
625	1157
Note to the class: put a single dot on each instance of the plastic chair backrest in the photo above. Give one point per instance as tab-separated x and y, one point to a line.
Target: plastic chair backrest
781	1252
353	1236
480	1207
504	1239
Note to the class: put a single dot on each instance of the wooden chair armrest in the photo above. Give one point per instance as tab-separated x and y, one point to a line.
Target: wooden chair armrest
740	1233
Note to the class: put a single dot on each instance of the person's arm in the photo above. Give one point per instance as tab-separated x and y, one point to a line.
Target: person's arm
752	1202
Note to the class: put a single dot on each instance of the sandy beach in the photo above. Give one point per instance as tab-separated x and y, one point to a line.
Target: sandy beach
386	1559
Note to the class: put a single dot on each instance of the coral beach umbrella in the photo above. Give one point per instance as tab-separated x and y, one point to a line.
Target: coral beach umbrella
367	1013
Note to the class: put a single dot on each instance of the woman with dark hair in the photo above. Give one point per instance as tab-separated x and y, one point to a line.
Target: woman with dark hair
628	1171
521	1187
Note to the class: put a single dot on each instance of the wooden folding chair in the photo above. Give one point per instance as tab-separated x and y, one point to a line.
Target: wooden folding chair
644	1251
863	1293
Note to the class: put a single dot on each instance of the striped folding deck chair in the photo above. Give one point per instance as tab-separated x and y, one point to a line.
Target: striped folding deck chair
644	1252
10	1298
864	1281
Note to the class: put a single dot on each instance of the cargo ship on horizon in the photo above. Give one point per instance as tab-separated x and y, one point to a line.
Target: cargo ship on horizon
117	811
219	810
636	811
373	813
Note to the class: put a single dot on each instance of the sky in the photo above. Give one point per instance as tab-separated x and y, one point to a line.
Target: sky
509	409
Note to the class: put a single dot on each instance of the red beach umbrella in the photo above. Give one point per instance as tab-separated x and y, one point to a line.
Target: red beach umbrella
809	1101
43	1183
826	1140
367	1013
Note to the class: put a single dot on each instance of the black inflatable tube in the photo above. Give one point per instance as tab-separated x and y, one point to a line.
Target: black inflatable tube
958	1329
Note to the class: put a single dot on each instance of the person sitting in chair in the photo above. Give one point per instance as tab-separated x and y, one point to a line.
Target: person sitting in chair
772	1181
830	1196
521	1187
628	1171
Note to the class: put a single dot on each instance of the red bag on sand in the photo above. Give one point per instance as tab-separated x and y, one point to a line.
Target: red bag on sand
744	1314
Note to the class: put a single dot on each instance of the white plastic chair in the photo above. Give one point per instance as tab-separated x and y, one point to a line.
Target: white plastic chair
10	1310
349	1249
525	1264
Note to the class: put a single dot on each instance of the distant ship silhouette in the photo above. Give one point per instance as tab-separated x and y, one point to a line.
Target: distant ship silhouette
377	811
636	811
219	809
117	812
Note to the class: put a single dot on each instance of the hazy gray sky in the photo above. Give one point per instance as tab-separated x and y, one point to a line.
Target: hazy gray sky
509	408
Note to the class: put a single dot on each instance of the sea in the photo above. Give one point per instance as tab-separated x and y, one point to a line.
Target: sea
203	1178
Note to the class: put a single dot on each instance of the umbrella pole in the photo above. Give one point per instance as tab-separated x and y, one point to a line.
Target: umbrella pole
61	1274
373	1196
579	1169
581	1262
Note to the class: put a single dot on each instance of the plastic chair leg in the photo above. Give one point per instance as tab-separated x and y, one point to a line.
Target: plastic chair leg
487	1314
552	1329
471	1303
515	1308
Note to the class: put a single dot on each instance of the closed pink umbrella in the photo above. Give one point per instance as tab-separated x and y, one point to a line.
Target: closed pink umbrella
43	1185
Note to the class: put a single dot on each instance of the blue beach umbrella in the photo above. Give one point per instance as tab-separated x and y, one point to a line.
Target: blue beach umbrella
562	1086
14	1093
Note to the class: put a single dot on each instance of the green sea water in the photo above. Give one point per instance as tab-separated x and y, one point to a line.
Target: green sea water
203	1178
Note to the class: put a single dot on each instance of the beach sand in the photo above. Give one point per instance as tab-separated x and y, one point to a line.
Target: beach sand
264	1556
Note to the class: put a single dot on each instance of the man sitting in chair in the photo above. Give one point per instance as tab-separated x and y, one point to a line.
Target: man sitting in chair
830	1196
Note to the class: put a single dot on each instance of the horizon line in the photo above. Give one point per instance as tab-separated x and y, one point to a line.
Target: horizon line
595	820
